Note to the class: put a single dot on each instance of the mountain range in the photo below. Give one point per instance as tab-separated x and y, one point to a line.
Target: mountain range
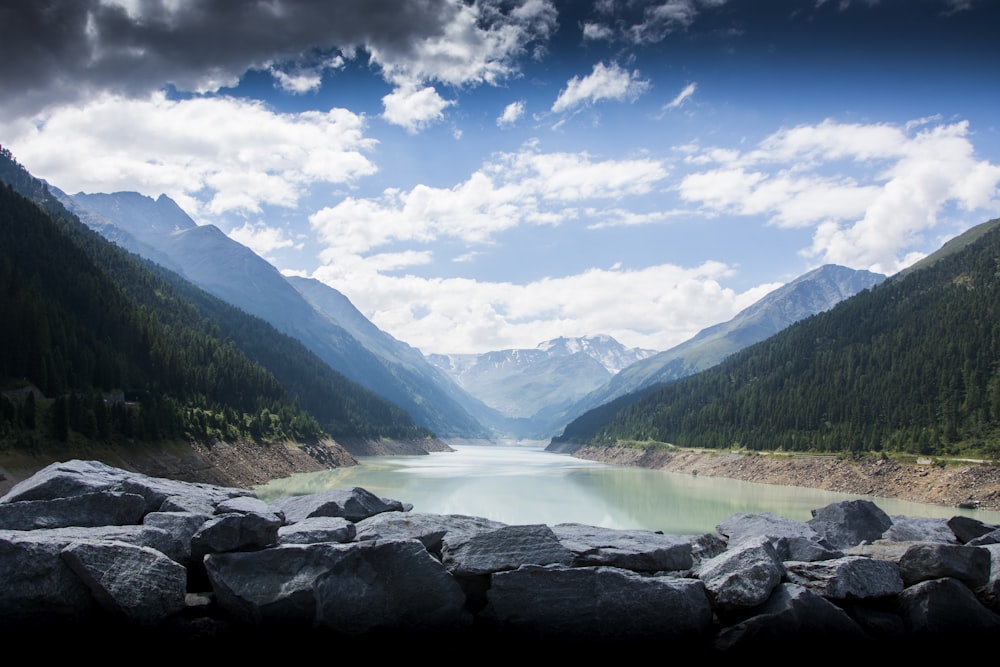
590	388
525	394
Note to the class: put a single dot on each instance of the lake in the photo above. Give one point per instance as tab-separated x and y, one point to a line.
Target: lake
527	485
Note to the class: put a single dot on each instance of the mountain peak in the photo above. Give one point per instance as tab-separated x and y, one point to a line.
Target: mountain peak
142	216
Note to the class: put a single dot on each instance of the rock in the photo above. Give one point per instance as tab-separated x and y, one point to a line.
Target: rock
743	576
352	504
848	577
505	548
793	617
205	567
635	550
923	561
850	523
587	605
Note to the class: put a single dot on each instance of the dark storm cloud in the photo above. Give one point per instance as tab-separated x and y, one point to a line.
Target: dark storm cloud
56	51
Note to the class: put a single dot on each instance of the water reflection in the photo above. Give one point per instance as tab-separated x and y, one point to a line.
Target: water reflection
527	485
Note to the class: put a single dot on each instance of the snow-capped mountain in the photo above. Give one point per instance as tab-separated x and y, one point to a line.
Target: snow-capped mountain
530	384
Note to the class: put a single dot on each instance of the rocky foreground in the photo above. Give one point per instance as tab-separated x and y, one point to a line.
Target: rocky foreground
95	558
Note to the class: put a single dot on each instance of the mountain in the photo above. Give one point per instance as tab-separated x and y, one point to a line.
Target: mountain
538	391
811	293
162	232
909	365
531	388
100	345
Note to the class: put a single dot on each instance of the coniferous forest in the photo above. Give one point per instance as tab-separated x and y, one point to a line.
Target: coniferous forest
911	366
99	345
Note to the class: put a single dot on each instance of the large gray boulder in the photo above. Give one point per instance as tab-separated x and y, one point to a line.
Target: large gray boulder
743	576
793	540
930	560
430	529
636	550
850	523
597	604
793	617
847	578
139	584
104	508
318	529
506	548
352	589
353	504
946	609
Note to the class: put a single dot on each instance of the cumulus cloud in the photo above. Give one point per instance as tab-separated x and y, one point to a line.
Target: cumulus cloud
903	180
604	83
523	188
511	113
413	109
68	51
262	238
655	308
211	155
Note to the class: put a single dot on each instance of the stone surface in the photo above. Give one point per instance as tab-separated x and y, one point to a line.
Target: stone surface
208	568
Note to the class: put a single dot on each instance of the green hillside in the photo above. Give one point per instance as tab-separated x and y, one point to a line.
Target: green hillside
912	365
99	345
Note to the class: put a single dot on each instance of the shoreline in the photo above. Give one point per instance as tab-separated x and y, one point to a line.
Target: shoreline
969	486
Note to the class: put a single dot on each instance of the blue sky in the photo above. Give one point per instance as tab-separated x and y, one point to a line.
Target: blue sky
488	175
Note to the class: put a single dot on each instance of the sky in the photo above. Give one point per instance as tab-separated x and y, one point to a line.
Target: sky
479	175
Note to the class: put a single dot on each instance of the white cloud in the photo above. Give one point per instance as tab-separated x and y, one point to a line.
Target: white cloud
626	218
656	307
413	109
523	188
261	238
874	217
603	83
597	31
511	113
686	93
476	43
298	82
211	155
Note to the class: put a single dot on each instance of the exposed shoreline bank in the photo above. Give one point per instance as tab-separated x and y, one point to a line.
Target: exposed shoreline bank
953	485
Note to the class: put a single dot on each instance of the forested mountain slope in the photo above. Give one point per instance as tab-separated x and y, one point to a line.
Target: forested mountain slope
161	231
100	346
809	294
909	365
